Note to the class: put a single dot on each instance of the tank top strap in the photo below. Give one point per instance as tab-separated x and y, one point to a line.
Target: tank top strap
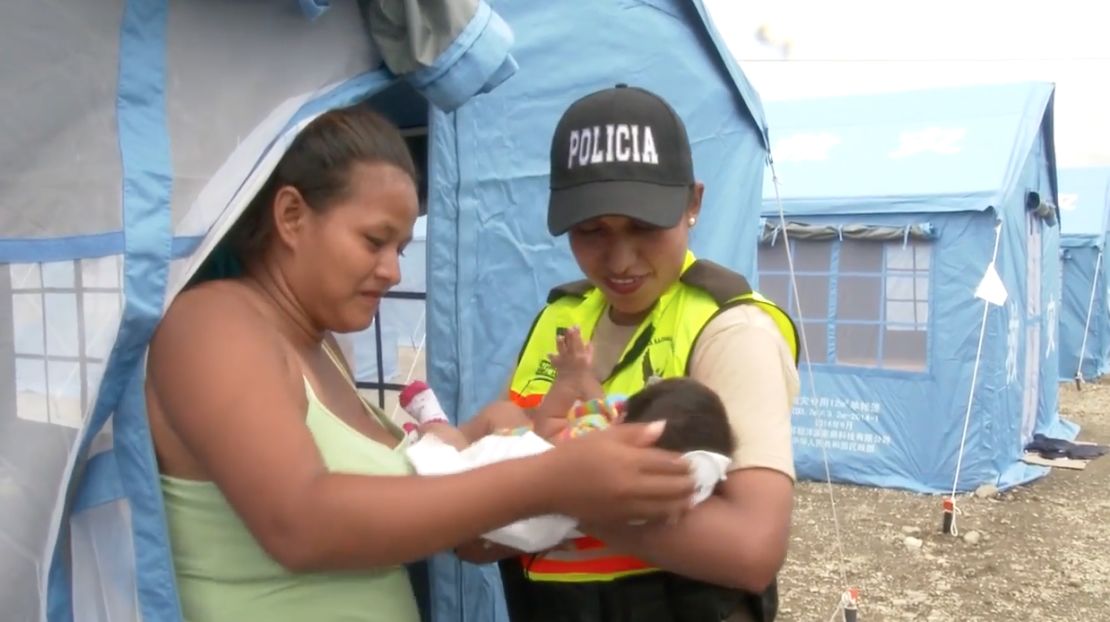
337	361
373	411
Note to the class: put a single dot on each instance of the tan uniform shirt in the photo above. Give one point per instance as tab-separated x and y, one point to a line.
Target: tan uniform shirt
742	356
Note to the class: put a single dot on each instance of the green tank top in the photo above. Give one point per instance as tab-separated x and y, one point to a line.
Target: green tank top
223	575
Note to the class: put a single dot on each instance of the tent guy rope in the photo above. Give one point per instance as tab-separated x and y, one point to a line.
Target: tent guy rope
991	291
849	595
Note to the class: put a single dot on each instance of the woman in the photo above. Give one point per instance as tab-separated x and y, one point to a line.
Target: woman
623	189
287	496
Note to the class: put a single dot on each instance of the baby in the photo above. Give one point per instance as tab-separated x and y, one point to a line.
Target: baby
696	426
576	404
696	418
574	384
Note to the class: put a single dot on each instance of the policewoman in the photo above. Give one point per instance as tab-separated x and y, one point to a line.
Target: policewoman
623	190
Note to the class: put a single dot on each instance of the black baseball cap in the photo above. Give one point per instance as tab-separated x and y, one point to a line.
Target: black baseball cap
622	151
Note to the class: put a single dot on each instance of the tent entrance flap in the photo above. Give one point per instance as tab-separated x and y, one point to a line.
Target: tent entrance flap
83	283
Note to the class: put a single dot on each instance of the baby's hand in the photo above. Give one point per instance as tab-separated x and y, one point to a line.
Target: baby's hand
574	356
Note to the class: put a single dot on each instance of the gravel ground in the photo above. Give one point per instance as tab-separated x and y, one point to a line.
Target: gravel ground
1039	552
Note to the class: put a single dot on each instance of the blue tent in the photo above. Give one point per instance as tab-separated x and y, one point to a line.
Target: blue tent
1084	313
491	260
142	130
894	206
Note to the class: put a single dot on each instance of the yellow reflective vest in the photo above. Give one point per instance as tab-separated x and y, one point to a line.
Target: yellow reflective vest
660	348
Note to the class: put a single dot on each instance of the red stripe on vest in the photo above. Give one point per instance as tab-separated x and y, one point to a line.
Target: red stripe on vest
531	400
604	566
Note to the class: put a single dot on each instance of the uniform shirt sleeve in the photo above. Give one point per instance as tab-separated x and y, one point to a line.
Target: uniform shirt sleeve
742	356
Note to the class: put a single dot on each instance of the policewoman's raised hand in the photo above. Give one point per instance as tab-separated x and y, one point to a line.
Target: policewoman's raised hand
617	476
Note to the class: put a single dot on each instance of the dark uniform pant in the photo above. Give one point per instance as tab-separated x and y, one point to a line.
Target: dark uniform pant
654	597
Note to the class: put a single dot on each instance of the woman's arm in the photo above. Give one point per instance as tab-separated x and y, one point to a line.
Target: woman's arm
738	537
233	394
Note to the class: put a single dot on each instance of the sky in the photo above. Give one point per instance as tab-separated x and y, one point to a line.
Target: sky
840	47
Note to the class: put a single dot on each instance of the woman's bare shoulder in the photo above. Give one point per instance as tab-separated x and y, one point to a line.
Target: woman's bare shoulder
210	301
220	319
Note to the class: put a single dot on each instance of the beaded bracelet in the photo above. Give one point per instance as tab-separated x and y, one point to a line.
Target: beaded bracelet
593	415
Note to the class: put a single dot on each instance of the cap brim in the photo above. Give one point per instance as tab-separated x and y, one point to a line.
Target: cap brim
652	204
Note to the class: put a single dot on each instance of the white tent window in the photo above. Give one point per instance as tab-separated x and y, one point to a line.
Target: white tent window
907	287
811	268
64	316
880	291
906	301
859	303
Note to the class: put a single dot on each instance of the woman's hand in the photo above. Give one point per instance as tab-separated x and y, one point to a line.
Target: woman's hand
736	538
616	476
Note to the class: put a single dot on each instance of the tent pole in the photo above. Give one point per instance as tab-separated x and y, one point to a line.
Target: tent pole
1087	322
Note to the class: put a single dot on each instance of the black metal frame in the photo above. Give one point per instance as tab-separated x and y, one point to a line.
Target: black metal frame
381	386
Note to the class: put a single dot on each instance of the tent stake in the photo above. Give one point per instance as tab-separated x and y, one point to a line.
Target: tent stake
850	605
949	516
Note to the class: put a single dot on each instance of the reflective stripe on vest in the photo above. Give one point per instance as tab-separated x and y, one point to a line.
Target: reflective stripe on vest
586	560
660	347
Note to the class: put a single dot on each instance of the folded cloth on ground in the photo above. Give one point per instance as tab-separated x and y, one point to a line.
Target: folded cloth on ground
1052	448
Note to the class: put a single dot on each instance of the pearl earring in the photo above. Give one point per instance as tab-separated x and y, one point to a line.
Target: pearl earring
692	221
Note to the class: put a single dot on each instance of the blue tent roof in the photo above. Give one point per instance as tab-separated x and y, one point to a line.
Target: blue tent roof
1084	203
748	95
943	150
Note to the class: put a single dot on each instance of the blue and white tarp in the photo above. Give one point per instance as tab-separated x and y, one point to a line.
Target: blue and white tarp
1085	306
135	133
914	187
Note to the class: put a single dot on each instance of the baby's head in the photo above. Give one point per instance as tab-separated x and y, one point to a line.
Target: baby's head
695	416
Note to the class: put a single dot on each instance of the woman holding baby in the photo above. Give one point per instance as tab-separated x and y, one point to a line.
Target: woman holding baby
286	496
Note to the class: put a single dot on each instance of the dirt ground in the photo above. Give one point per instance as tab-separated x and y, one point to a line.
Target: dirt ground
1043	550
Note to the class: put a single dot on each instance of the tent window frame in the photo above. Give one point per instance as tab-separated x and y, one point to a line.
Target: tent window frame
74	291
829	324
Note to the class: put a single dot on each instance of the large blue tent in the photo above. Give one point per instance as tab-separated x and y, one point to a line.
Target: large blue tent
1085	308
894	206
